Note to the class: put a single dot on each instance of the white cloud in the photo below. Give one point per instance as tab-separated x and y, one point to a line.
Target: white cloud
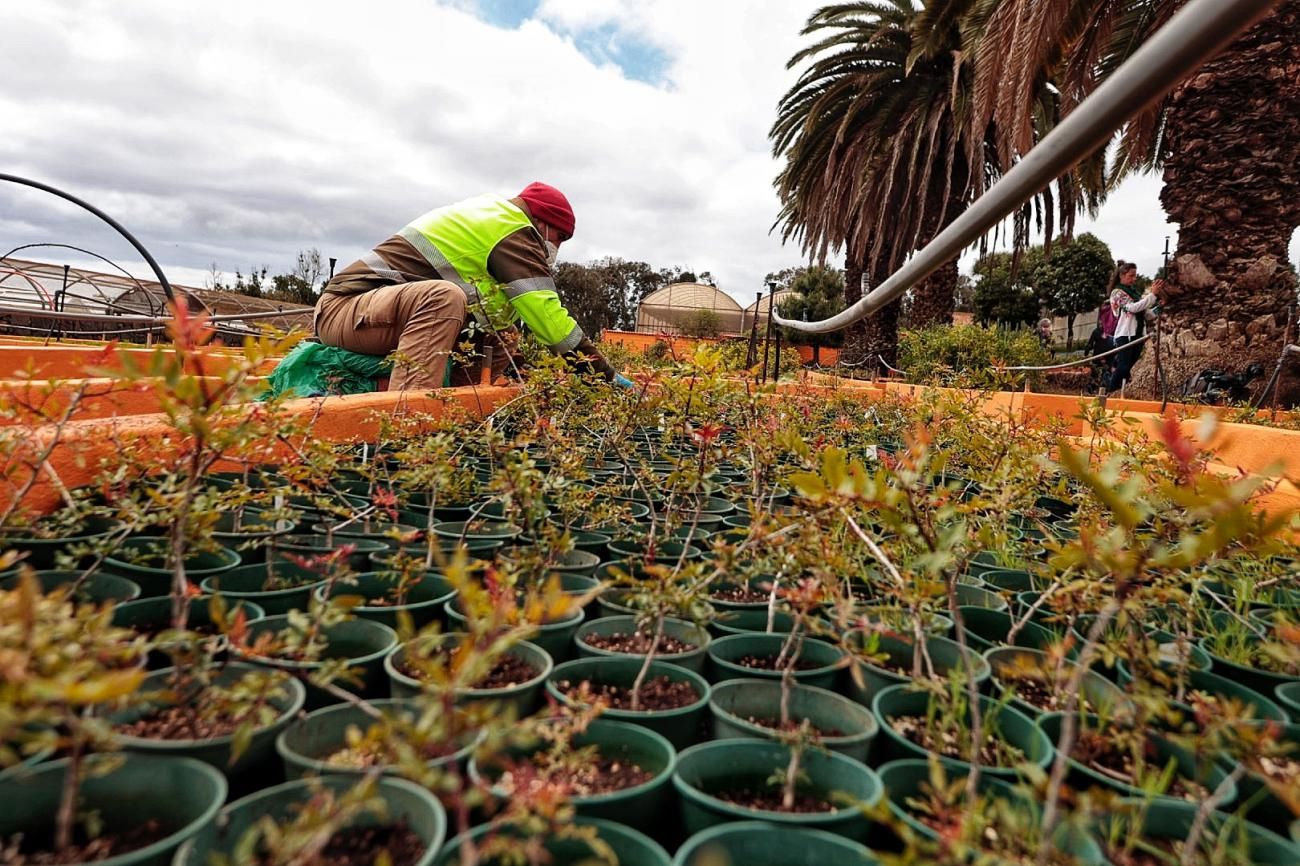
243	131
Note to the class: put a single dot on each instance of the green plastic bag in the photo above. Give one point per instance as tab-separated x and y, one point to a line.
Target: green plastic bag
316	370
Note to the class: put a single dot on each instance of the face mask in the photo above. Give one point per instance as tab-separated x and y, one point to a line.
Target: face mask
552	251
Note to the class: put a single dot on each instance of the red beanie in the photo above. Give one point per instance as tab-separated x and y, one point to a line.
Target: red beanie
550	206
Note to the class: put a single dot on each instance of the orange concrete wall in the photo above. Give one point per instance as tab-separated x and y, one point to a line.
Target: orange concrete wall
84	444
78	362
829	356
681	347
684	347
115	413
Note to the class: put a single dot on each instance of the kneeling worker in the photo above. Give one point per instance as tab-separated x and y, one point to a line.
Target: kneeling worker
487	258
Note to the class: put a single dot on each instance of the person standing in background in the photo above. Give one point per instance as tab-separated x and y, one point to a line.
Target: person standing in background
1128	308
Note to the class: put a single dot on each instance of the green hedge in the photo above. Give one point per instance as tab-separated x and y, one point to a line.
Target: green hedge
969	356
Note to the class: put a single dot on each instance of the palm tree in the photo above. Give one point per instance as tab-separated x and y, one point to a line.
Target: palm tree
882	153
1227	141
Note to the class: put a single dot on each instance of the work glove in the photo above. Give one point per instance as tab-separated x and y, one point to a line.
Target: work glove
623	381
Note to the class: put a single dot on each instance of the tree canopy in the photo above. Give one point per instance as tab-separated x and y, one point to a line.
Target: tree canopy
1069	281
820	295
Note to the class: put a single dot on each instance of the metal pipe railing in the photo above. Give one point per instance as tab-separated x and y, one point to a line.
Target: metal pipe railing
1194	35
38	313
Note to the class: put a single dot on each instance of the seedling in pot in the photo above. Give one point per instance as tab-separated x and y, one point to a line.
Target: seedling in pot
947	729
659	593
196	702
577	770
63	663
999	825
496	619
330	827
797	741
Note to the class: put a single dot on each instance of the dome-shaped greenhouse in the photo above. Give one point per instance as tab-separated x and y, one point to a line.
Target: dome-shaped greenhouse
674	308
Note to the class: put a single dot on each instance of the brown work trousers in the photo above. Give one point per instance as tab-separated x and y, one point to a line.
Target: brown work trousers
419	321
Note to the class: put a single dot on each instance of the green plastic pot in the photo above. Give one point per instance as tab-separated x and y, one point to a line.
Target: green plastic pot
1262	681
1262	708
630	847
665	552
987	629
524	698
616	601
252	544
754	843
1197	658
310	545
1012	725
31	756
751	621
43	544
417	808
641	806
1172	819
132	560
757	584
474	548
977	596
306	744
828	659
247	581
596	543
686	632
577	584
361	642
909	779
425	597
1025	601
579	562
554	637
735	703
984	561
1264	808
182	794
900	620
701	535
457	530
1008	579
1163	751
708	769
98	588
1102	695
1288	695
154	615
680	726
216	751
384	533
900	649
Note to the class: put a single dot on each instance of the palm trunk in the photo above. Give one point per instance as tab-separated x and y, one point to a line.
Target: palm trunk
933	301
855	345
1232	183
882	328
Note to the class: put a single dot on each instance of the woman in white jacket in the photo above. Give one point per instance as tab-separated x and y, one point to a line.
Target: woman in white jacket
1128	308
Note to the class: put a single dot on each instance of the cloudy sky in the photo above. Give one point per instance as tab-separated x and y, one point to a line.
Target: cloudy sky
239	132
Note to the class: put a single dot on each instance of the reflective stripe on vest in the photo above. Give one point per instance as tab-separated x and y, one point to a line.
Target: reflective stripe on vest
457	241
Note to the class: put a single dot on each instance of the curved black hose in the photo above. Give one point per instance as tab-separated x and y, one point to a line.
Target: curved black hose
44	187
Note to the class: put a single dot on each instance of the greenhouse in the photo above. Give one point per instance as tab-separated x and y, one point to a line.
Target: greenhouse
680	307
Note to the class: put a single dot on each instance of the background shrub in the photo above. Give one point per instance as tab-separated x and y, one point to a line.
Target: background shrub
969	356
